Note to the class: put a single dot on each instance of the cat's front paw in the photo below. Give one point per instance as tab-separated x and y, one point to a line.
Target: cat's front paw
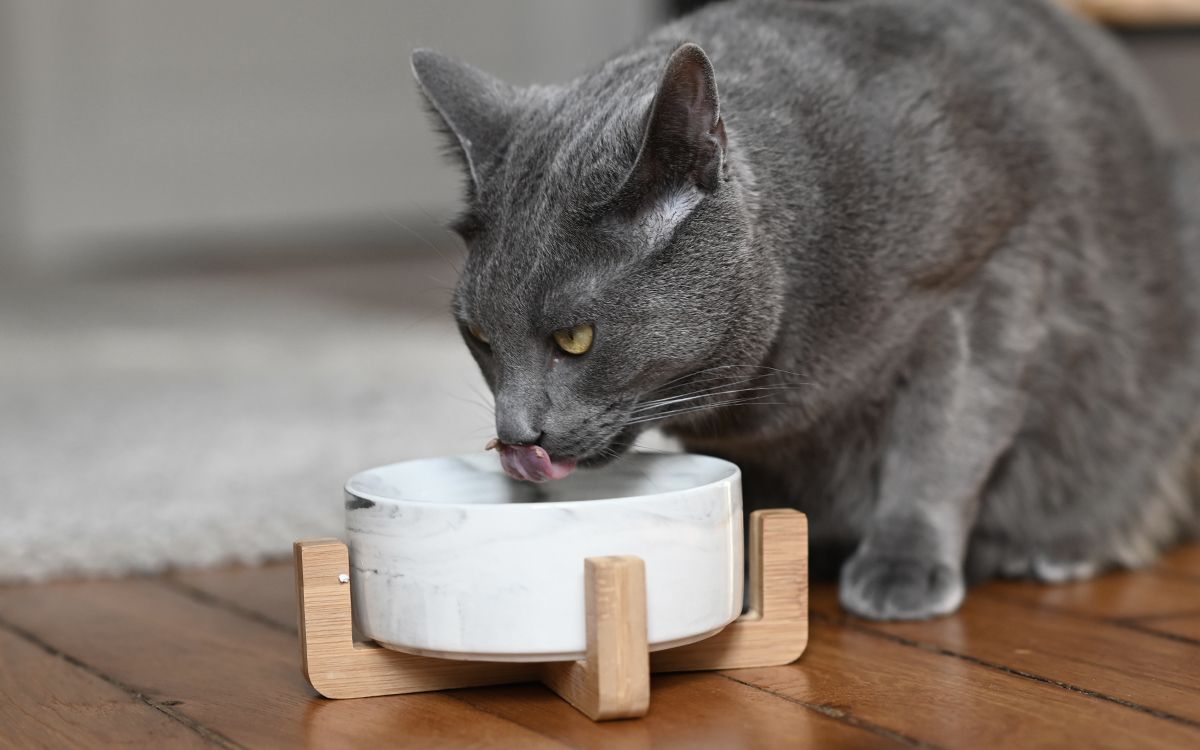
899	588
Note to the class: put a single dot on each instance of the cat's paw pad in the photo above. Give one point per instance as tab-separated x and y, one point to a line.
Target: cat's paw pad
893	588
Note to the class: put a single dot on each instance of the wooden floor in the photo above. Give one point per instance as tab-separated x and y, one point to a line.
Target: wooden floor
211	659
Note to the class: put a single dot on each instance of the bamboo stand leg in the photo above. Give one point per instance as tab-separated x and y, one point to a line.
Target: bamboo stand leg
613	682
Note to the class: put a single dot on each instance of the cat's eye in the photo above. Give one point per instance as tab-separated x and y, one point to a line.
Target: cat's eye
576	340
478	334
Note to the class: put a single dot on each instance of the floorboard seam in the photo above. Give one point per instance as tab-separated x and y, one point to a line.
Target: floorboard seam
1176	575
839	715
932	648
206	598
163	707
1152	618
1149	630
1129	623
209	599
490	712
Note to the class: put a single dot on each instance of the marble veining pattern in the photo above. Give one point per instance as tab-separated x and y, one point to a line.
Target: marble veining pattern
451	558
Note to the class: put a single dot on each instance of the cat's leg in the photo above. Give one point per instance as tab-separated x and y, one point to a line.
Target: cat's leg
956	411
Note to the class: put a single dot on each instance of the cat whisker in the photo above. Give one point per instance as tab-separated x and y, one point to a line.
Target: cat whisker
721	390
431	245
715	368
725	379
703	371
724	384
752	400
659	403
483	396
473	402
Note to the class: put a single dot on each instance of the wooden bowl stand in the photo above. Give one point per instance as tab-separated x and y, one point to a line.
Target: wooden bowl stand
613	682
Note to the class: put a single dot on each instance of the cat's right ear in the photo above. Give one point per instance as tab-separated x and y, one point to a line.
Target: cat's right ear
475	108
683	145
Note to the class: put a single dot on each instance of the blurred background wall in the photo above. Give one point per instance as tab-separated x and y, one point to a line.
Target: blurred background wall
130	121
157	127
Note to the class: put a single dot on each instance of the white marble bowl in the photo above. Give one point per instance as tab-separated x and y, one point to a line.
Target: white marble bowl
451	558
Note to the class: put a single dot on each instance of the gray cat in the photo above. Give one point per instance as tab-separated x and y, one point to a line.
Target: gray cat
926	269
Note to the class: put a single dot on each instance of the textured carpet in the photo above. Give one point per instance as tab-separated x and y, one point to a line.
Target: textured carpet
190	420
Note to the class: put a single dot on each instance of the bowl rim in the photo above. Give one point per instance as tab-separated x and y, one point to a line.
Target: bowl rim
733	474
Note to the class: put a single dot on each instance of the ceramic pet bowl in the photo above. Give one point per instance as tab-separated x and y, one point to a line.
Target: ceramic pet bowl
451	558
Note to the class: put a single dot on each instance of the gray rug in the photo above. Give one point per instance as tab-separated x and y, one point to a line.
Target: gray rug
157	422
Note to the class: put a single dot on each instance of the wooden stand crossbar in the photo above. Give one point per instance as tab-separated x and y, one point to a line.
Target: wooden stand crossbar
613	681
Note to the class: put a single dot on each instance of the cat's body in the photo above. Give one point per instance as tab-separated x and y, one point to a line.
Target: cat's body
959	223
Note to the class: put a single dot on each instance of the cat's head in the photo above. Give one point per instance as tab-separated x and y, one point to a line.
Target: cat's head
611	258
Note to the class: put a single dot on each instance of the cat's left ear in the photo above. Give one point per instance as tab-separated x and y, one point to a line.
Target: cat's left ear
684	143
475	108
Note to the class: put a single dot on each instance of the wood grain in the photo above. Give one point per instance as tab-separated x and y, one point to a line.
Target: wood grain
1179	626
852	688
235	676
46	702
948	701
264	591
1104	658
238	589
1183	562
613	681
688	710
1115	595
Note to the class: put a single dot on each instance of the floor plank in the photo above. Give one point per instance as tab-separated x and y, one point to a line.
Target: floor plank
1180	626
1123	665
233	675
1118	595
1165	679
268	591
1184	561
47	702
686	710
952	702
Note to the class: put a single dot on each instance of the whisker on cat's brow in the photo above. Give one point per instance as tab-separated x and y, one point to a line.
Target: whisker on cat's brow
428	243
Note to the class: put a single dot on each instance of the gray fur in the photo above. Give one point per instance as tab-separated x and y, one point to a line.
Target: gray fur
950	242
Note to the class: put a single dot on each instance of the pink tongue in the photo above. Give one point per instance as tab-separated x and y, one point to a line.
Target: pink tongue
531	463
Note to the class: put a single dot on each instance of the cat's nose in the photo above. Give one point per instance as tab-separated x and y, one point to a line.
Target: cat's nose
515	422
517	434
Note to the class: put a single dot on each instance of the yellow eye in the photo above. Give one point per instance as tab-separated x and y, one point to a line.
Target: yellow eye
575	340
478	333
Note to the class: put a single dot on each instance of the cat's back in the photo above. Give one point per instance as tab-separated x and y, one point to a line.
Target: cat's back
1025	56
1017	102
